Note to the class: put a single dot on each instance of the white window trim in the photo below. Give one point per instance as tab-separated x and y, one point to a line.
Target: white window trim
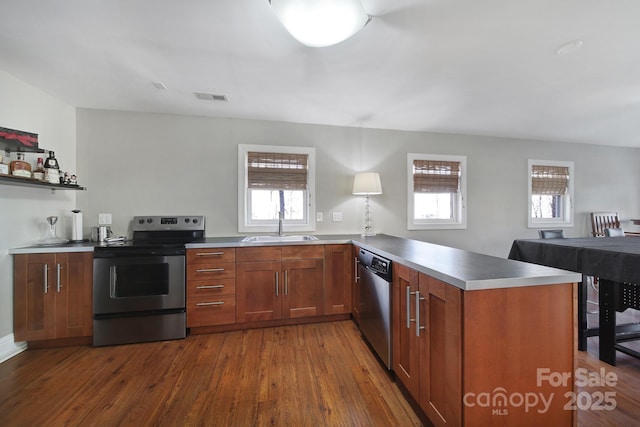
567	221
244	225
437	224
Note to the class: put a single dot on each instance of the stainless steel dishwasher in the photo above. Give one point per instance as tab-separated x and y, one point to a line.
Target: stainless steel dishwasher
374	279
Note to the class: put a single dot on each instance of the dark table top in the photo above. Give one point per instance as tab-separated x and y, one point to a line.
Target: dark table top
612	258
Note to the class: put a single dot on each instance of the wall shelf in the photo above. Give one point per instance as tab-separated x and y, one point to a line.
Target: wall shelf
25	182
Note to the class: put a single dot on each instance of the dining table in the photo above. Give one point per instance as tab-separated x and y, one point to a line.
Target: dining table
615	263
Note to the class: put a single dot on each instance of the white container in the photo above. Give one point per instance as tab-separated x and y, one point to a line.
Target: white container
4	168
76	225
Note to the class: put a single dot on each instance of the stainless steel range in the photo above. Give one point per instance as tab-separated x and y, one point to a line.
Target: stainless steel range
139	285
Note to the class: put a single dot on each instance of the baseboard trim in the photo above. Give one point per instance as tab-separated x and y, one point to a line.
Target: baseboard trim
10	348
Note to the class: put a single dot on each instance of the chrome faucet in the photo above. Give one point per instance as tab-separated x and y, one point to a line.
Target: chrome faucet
280	227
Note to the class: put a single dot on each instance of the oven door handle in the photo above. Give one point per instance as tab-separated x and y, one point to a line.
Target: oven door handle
113	278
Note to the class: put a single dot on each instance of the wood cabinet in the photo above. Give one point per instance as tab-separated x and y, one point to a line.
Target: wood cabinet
338	276
438	326
279	282
405	340
453	347
211	287
53	296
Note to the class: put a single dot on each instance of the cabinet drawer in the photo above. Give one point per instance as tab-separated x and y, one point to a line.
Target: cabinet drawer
199	288
262	253
210	255
303	252
207	311
220	270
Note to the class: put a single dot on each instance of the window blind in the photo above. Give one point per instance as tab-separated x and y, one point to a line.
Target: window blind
436	176
549	180
277	171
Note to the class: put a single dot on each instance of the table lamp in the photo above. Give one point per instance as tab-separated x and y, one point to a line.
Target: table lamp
367	184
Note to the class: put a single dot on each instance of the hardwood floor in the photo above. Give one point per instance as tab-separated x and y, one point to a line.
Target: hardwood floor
305	375
626	371
308	375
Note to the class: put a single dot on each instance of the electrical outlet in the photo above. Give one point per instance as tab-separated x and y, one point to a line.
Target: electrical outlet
104	219
337	216
319	216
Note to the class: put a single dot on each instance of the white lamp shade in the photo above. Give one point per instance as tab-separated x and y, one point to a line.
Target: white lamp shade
319	23
367	183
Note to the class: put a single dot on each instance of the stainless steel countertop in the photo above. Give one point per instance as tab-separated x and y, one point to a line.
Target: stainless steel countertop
67	247
468	271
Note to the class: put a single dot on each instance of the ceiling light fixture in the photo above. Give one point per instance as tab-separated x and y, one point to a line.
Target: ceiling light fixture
320	23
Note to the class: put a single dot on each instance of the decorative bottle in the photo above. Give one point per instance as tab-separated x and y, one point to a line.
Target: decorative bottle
38	172
52	169
20	168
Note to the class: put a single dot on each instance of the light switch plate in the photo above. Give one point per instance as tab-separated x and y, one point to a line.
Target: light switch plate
319	216
104	219
337	216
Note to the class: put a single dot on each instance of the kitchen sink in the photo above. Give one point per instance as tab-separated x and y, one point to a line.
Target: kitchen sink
279	238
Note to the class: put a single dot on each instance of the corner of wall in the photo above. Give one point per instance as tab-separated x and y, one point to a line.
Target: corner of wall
10	348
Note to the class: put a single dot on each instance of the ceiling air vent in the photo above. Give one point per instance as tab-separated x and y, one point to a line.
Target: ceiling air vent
210	96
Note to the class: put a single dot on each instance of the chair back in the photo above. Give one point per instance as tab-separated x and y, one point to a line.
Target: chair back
614	232
551	234
602	220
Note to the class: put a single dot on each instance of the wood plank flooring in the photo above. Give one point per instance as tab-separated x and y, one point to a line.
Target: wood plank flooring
304	375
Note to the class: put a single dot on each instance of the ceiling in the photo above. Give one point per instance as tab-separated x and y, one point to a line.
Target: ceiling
486	67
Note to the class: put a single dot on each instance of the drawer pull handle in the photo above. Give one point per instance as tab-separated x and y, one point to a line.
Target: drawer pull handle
210	270
209	253
46	278
210	303
418	327
210	287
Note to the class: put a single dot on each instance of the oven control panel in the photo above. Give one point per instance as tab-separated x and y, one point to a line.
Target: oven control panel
160	223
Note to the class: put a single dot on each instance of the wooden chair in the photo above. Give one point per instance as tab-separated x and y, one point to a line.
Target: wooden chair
551	234
602	220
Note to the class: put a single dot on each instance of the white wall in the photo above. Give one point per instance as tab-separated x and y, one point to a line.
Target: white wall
23	210
138	164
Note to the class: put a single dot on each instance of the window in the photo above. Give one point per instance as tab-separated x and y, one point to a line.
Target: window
436	189
274	179
550	189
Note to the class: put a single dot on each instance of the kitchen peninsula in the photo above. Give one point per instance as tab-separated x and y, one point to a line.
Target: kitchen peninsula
488	325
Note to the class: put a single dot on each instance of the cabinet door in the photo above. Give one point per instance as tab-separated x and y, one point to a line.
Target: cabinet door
258	289
34	297
406	358
303	283
338	264
73	288
440	351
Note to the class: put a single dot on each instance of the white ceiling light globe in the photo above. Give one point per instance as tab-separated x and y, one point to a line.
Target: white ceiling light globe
319	23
